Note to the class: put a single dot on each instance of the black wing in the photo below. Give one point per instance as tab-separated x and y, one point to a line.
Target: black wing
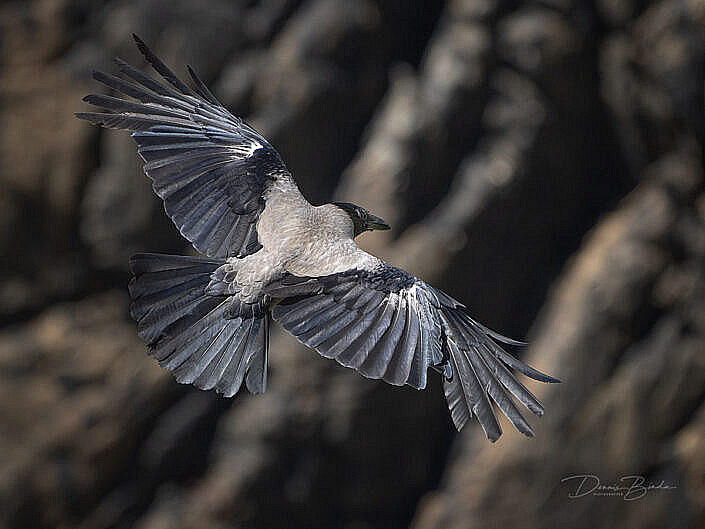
378	323
389	325
210	168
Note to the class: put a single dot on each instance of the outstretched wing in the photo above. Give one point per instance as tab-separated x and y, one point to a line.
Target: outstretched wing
390	325
379	323
210	167
481	373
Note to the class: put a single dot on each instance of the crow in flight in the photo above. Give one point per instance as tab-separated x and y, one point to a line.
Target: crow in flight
269	251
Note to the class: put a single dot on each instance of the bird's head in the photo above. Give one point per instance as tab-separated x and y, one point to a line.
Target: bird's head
362	219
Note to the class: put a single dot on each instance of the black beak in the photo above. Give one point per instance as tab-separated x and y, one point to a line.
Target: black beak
375	223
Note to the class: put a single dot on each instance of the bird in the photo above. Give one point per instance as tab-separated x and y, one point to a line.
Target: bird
266	254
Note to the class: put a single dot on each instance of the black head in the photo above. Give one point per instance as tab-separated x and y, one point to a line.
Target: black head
362	219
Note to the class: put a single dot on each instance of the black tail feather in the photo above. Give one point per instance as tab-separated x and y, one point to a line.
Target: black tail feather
192	333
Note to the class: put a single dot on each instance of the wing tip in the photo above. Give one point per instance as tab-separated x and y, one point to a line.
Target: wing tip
93	118
140	43
537	410
121	63
541	377
201	87
525	369
504	339
493	434
144	49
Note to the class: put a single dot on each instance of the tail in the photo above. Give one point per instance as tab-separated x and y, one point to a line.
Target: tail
194	334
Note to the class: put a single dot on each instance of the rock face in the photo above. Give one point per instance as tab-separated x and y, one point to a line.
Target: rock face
541	161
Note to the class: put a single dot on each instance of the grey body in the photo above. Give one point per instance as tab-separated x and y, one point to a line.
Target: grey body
299	239
269	252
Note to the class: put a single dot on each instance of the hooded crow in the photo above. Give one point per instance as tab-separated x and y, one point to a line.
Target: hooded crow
267	250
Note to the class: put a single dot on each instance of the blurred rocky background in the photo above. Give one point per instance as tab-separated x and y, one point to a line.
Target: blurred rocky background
540	160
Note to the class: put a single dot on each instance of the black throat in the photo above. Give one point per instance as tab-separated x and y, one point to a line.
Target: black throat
357	214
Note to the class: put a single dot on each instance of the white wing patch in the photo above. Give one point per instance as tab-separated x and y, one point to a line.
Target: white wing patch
244	150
